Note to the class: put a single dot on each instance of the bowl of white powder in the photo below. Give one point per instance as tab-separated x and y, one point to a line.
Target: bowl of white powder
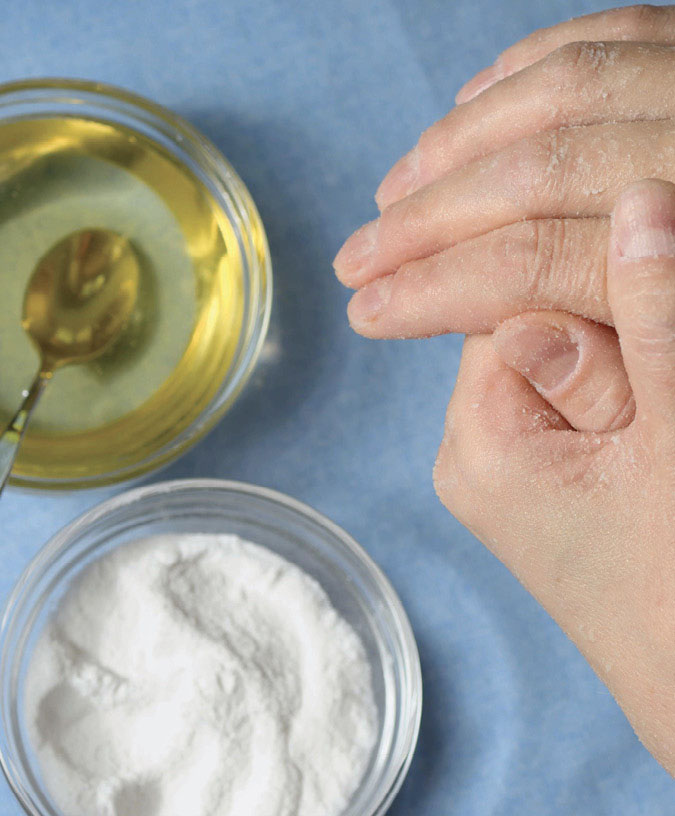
206	648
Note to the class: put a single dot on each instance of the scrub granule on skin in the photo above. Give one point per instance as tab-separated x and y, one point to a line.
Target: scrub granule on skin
199	675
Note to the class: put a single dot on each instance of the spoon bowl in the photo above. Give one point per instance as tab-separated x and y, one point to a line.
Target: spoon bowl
80	296
77	303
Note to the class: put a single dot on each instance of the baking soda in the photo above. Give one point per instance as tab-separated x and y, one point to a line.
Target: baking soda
199	675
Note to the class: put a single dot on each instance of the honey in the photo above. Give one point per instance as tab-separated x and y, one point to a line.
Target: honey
59	174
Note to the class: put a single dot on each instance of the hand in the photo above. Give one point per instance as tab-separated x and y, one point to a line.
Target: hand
586	520
503	205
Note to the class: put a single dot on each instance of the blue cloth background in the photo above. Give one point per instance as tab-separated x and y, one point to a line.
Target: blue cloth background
313	102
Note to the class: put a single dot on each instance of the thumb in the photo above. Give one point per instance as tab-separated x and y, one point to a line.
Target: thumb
575	364
641	294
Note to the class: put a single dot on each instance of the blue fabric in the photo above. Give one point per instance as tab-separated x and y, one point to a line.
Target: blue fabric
313	102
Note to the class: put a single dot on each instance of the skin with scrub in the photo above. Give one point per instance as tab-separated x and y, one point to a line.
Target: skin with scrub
538	217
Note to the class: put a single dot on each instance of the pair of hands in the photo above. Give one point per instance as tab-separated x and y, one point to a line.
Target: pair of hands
520	220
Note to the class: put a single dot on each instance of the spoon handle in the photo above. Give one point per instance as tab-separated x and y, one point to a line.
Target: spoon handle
10	440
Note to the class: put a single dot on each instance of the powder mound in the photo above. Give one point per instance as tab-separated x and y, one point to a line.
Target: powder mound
199	675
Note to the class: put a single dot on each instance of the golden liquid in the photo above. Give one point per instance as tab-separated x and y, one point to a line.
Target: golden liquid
58	175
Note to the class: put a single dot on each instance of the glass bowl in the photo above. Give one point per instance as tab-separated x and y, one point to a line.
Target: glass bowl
176	415
355	585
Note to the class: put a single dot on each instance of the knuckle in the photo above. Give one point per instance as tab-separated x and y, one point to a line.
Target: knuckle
568	66
542	243
567	58
589	259
539	169
413	218
403	222
576	66
407	219
524	162
636	21
554	267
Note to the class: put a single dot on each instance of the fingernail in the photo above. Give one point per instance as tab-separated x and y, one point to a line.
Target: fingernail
400	180
481	82
545	355
370	301
642	224
357	250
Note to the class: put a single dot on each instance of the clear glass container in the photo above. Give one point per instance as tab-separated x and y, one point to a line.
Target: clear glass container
355	585
176	416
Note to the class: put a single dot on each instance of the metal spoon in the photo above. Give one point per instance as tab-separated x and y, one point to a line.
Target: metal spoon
78	299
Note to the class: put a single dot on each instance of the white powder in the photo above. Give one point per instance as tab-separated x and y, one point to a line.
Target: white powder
199	676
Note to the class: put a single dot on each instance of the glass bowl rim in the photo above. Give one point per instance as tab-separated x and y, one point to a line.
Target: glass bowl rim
185	137
398	765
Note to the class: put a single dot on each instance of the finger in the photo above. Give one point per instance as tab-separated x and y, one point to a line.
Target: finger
568	173
563	511
573	363
490	395
471	287
560	509
636	23
510	468
641	292
581	83
501	440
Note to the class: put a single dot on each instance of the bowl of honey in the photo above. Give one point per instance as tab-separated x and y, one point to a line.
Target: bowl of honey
76	154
